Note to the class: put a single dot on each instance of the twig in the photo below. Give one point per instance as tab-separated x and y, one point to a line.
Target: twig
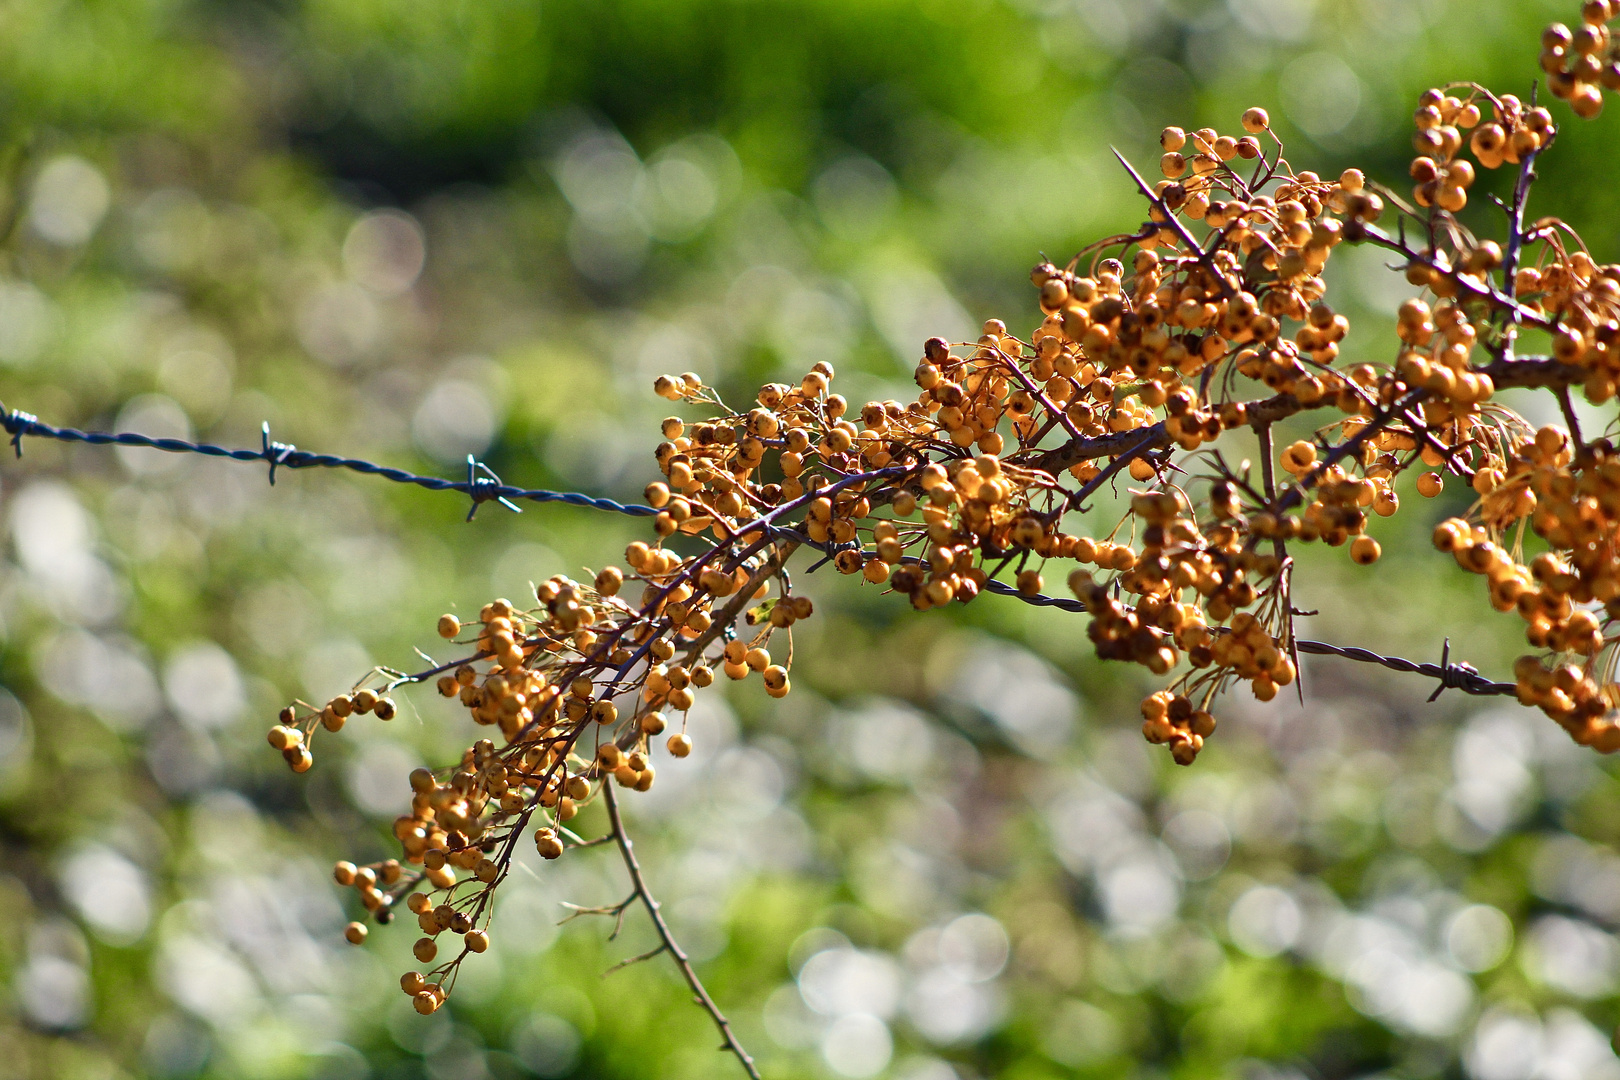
1147	440
670	945
615	910
1510	257
638	958
1039	395
1205	258
1568	408
1479	290
1296	491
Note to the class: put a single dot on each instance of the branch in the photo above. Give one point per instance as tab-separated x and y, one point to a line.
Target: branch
1532	371
1146	440
638	958
670	945
1075	451
1477	289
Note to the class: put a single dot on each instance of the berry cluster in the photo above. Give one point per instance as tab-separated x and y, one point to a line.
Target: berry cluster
294	732
1208	323
1567	596
579	686
1578	61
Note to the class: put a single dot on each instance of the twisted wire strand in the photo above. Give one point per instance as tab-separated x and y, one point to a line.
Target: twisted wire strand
1452	674
482	485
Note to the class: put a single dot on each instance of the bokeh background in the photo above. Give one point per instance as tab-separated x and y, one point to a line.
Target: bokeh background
412	231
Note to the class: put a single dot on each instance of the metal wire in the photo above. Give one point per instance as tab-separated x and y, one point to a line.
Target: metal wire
1451	673
482	485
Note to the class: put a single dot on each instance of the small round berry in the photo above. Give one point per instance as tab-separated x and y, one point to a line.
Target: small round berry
1430	484
426	1002
610	581
425	950
679	745
477	940
1365	550
285	738
355	933
449	626
1299	457
1255	121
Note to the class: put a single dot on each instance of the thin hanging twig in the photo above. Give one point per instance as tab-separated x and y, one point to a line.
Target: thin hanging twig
669	944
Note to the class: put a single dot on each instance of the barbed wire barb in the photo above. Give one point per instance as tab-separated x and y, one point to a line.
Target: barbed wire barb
24	420
484	485
274	452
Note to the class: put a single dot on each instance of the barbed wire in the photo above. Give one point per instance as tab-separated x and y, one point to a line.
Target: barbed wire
1453	674
483	485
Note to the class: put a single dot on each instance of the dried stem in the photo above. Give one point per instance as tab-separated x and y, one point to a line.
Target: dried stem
669	944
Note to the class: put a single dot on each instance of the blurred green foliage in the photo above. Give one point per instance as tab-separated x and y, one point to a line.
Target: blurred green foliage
414	231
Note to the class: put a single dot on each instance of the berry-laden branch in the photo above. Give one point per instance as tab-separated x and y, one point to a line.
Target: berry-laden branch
1210	324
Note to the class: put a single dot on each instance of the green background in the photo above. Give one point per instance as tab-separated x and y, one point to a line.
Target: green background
212	215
